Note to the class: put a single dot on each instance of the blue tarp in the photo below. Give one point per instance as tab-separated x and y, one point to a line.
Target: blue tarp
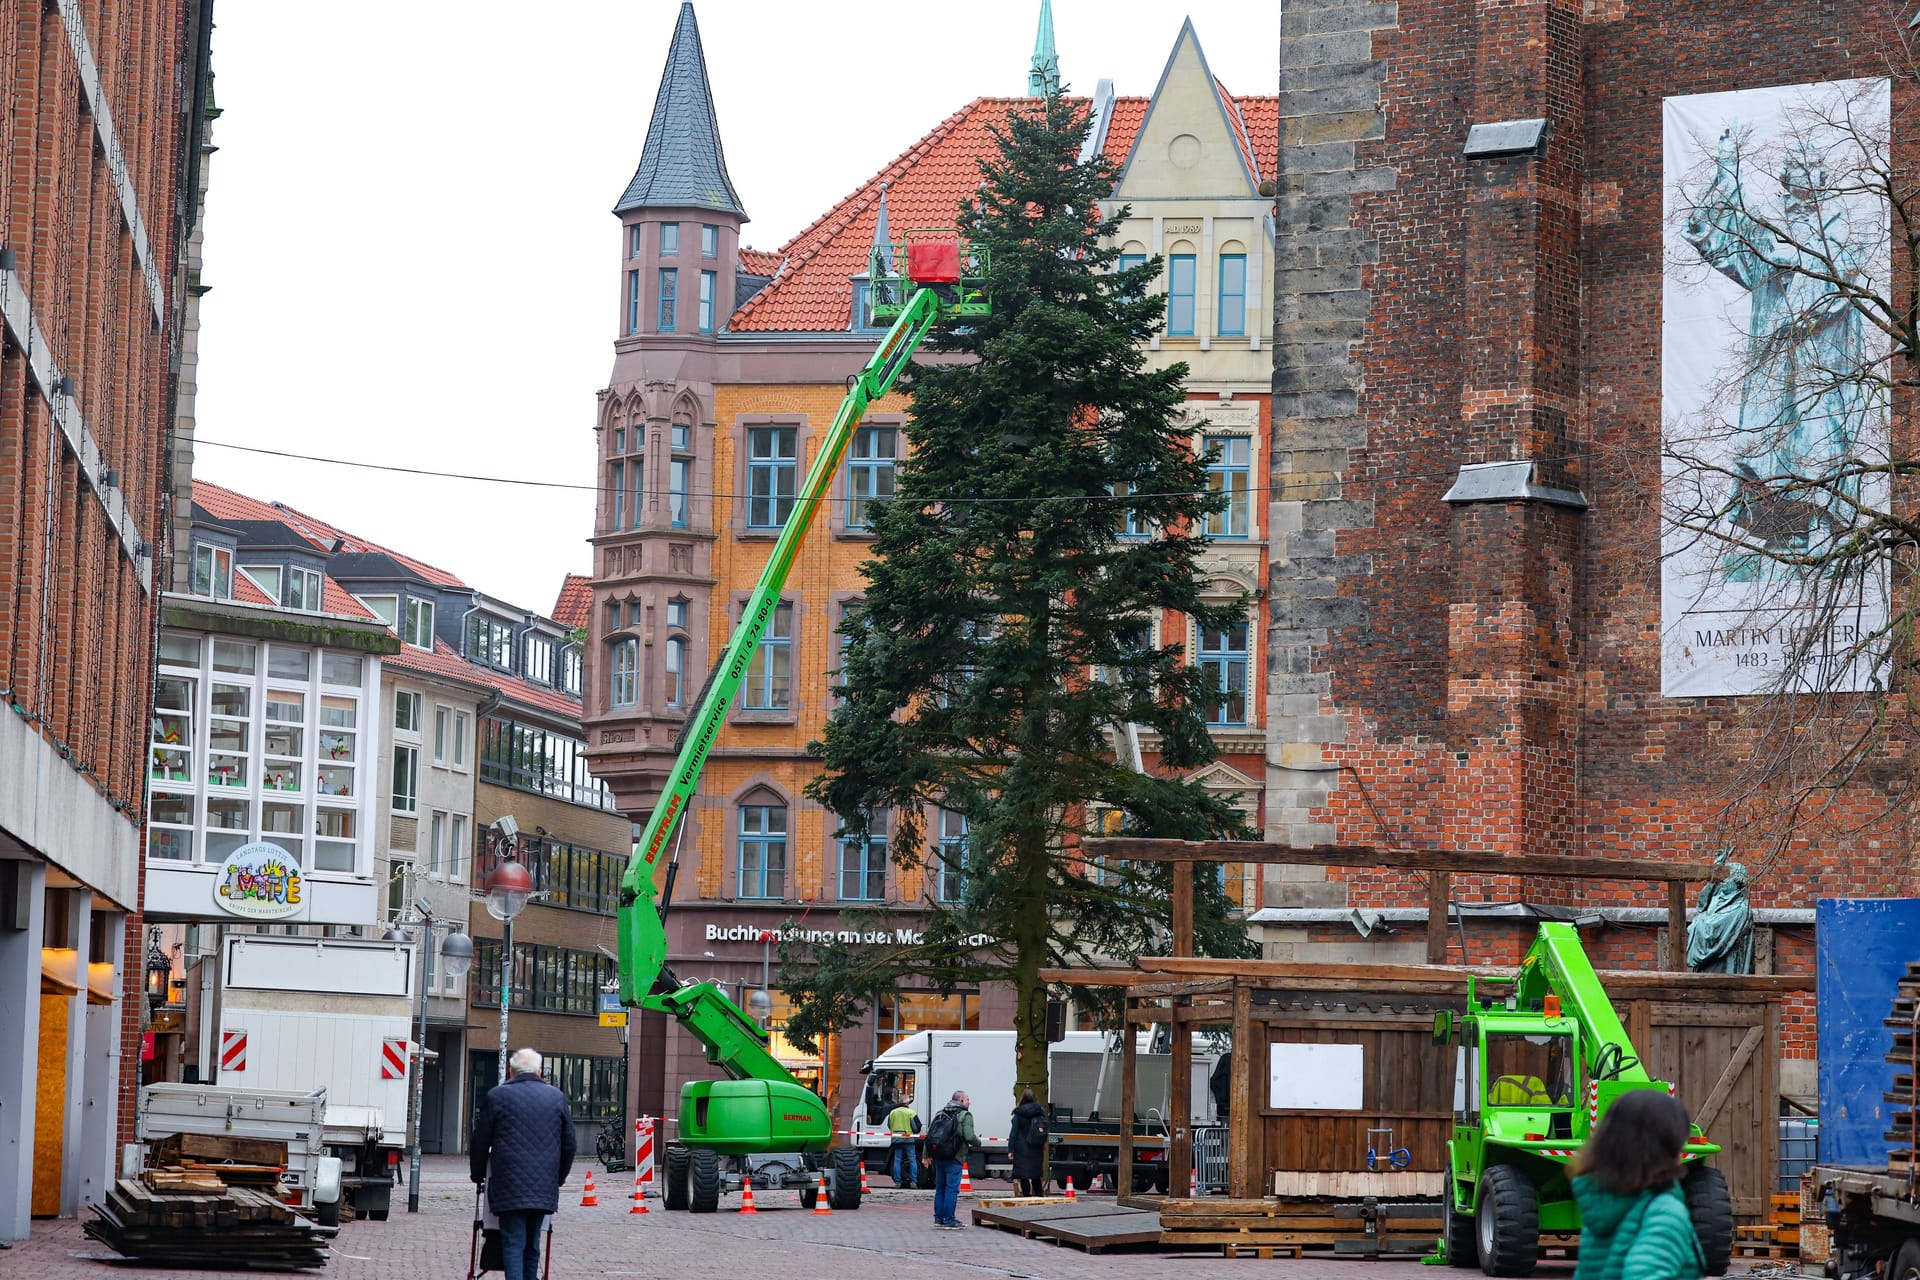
1864	946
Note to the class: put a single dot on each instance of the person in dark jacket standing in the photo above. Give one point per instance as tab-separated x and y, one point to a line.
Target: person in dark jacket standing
1027	1144
1634	1219
523	1147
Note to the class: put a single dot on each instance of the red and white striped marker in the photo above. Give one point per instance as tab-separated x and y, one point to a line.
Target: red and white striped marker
393	1059
233	1051
643	1153
1070	1194
966	1180
865	1190
1193	1183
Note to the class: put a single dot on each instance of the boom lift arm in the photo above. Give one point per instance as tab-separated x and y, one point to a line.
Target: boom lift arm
1557	965
642	933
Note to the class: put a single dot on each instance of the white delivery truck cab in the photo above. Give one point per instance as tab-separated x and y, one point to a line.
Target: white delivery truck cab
333	1014
1083	1078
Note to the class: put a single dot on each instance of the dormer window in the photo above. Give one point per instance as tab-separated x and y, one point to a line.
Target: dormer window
419	632
265	576
212	572
570	670
301	589
540	659
490	640
863	321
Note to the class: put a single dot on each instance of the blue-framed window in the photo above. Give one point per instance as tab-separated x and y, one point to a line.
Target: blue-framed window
707	279
1233	296
1180	285
679	476
763	851
1135	639
1231	472
709	240
863	869
633	302
1223	654
1129	521
950	883
669	299
623	685
669	239
1128	261
676	670
633	241
771	475
870	471
618	482
769	684
862	308
682	435
843	637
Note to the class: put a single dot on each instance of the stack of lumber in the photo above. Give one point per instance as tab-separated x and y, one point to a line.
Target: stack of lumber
177	1222
1778	1237
1904	1155
1284	1226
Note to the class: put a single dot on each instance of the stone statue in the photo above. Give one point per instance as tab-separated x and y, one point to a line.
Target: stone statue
1720	940
1804	388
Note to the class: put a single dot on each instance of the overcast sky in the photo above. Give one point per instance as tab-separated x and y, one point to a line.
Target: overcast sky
409	246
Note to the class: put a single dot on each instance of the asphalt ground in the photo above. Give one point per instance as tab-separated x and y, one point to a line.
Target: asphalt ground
891	1237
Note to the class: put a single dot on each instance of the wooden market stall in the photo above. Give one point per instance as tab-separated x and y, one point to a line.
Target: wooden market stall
1711	1034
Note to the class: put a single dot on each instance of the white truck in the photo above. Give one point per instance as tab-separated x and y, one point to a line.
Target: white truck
300	1014
1083	1088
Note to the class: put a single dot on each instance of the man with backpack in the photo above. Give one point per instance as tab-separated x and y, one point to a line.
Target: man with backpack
949	1138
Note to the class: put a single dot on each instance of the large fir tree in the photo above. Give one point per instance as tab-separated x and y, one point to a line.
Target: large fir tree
1004	645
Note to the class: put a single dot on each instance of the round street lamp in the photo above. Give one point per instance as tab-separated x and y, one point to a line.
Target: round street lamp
396	934
456	955
508	890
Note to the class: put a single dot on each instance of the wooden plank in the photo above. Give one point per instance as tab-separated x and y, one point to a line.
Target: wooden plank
1241	1175
1129	1103
1264	853
1676	925
1183	908
1180	1104
1685	986
1723	1087
1439	893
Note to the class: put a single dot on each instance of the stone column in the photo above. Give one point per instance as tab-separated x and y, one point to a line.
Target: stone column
22	915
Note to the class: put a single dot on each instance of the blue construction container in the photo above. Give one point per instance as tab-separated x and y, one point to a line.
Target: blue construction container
1863	946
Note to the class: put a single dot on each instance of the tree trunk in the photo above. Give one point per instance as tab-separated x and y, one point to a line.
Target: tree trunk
1031	928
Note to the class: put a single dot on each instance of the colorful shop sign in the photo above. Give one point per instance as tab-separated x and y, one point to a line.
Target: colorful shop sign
260	881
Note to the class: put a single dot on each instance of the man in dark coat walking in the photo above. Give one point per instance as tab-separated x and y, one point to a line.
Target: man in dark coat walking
523	1147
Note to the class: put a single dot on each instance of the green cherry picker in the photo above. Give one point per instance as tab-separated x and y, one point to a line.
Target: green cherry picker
760	1122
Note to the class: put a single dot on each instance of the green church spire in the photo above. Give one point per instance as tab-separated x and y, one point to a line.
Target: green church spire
1043	76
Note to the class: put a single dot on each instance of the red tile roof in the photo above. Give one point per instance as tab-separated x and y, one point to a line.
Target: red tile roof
225	504
575	602
246	593
447	664
760	262
925	184
336	599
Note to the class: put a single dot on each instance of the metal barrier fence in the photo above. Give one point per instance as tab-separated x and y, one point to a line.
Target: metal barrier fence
1209	1158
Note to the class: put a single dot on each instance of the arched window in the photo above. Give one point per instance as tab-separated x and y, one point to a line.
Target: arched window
763	849
676	669
624	673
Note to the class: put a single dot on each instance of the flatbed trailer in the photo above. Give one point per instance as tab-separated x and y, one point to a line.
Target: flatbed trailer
1875	1220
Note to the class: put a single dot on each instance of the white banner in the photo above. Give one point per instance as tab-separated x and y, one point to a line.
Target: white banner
1766	191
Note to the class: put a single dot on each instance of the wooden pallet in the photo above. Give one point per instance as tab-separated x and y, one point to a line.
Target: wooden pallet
239	1229
1290	1226
1092	1225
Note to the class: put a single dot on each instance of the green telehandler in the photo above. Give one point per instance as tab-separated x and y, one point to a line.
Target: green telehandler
1535	1071
760	1122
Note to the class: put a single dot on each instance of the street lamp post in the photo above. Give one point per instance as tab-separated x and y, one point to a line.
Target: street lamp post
456	954
508	890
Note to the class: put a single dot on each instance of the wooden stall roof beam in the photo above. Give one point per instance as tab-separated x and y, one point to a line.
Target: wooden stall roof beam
1265	853
1265	972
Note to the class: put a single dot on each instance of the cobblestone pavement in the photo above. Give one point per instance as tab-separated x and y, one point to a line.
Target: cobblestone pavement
891	1237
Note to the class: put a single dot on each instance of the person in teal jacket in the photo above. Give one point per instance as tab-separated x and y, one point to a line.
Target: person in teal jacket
1634	1220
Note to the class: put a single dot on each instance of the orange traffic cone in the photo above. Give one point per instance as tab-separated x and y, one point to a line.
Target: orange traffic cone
589	1200
820	1205
865	1190
1070	1194
639	1196
746	1196
1193	1183
966	1180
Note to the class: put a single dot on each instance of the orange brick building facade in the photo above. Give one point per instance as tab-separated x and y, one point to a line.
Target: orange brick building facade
729	366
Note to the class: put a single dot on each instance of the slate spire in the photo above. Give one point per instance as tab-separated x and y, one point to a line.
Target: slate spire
1043	75
682	163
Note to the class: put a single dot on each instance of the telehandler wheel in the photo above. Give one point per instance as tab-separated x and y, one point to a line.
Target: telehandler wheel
1463	1246
1906	1262
678	1158
1507	1226
1712	1208
704	1181
843	1185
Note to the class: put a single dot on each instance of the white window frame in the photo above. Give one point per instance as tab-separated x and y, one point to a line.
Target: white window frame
442	722
437	844
405	800
420	621
461	727
219	561
459	846
313	595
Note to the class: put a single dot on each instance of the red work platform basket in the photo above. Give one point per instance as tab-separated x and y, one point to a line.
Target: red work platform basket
933	262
